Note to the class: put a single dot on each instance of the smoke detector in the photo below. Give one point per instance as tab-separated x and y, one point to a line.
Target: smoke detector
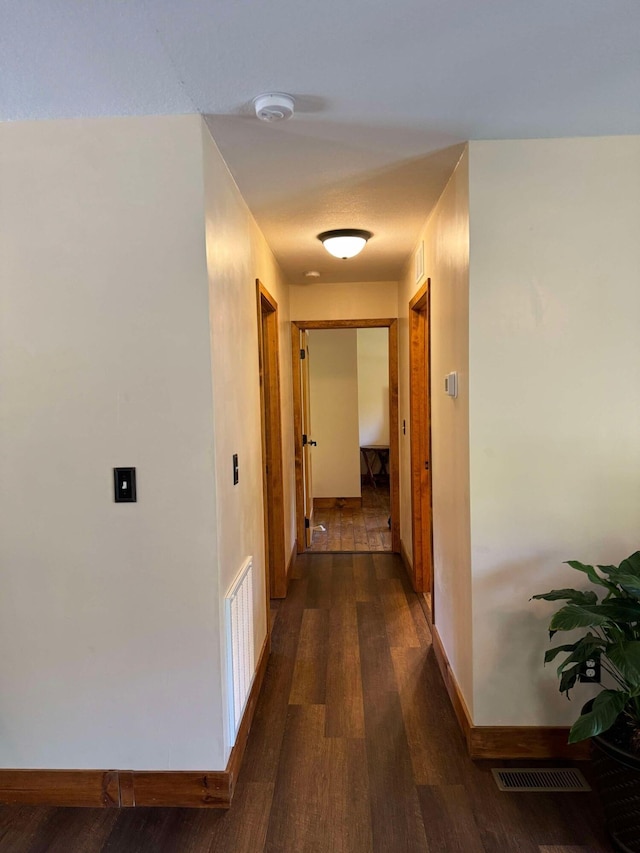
274	106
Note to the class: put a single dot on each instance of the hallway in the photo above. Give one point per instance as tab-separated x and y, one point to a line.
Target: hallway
364	529
354	749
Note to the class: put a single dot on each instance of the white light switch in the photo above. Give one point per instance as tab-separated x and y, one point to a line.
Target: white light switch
451	384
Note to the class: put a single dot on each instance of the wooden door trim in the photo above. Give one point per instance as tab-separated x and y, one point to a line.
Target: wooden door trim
390	323
308	325
394	437
421	297
420	440
273	481
297	436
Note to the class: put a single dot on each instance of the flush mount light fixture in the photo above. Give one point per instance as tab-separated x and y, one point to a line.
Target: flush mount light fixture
344	242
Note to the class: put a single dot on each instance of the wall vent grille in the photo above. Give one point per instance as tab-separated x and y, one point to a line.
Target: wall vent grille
539	779
240	644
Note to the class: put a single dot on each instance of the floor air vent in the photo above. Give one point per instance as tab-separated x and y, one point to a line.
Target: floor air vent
539	779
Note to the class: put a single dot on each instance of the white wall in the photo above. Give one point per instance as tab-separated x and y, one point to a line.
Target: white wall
109	617
128	336
333	394
446	249
351	301
373	386
554	397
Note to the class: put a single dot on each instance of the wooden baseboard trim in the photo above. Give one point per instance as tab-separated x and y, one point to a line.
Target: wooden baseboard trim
339	503
406	560
292	559
92	788
131	788
280	584
237	753
455	694
525	742
503	742
195	790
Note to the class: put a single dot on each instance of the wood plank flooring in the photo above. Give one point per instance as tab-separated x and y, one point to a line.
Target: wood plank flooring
354	749
348	529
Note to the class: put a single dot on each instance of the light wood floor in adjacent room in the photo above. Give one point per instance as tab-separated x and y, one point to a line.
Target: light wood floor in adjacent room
365	529
354	749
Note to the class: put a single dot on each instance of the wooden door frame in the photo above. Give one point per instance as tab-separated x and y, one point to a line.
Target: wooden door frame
390	323
308	510
420	441
272	464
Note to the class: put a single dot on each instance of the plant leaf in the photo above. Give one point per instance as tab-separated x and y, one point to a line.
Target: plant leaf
608	569
576	596
569	678
577	616
552	653
606	708
631	565
621	609
629	582
591	573
626	657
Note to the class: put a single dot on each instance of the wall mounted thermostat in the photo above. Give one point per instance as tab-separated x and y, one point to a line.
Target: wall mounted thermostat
451	384
124	485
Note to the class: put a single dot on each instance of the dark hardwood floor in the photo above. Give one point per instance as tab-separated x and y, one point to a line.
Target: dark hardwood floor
349	529
354	749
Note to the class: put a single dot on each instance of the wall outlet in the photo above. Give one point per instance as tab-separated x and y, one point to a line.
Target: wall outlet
590	670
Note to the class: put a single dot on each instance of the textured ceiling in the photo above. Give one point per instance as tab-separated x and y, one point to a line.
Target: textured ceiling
385	93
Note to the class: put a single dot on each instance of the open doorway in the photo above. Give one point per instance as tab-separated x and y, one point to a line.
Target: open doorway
349	403
347	454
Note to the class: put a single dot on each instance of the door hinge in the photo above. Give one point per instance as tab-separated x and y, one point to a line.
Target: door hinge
306	524
304	439
303	353
426	465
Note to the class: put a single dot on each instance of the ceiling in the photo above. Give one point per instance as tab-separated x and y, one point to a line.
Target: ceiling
386	93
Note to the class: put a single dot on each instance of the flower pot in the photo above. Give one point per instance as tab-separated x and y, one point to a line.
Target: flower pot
617	774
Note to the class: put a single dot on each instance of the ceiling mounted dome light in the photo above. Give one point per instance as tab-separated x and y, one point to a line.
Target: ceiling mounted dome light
344	242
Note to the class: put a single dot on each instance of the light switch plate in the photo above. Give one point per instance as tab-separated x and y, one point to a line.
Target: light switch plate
124	485
451	384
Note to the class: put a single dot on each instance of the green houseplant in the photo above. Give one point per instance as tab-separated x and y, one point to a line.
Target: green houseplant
610	615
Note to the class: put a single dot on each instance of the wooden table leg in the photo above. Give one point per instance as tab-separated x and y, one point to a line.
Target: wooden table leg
367	462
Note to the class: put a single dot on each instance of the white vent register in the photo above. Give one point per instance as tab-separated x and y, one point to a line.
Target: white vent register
238	606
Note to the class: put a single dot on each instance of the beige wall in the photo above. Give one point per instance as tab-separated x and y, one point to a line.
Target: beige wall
333	386
373	386
109	612
359	301
237	254
446	247
555	397
128	337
